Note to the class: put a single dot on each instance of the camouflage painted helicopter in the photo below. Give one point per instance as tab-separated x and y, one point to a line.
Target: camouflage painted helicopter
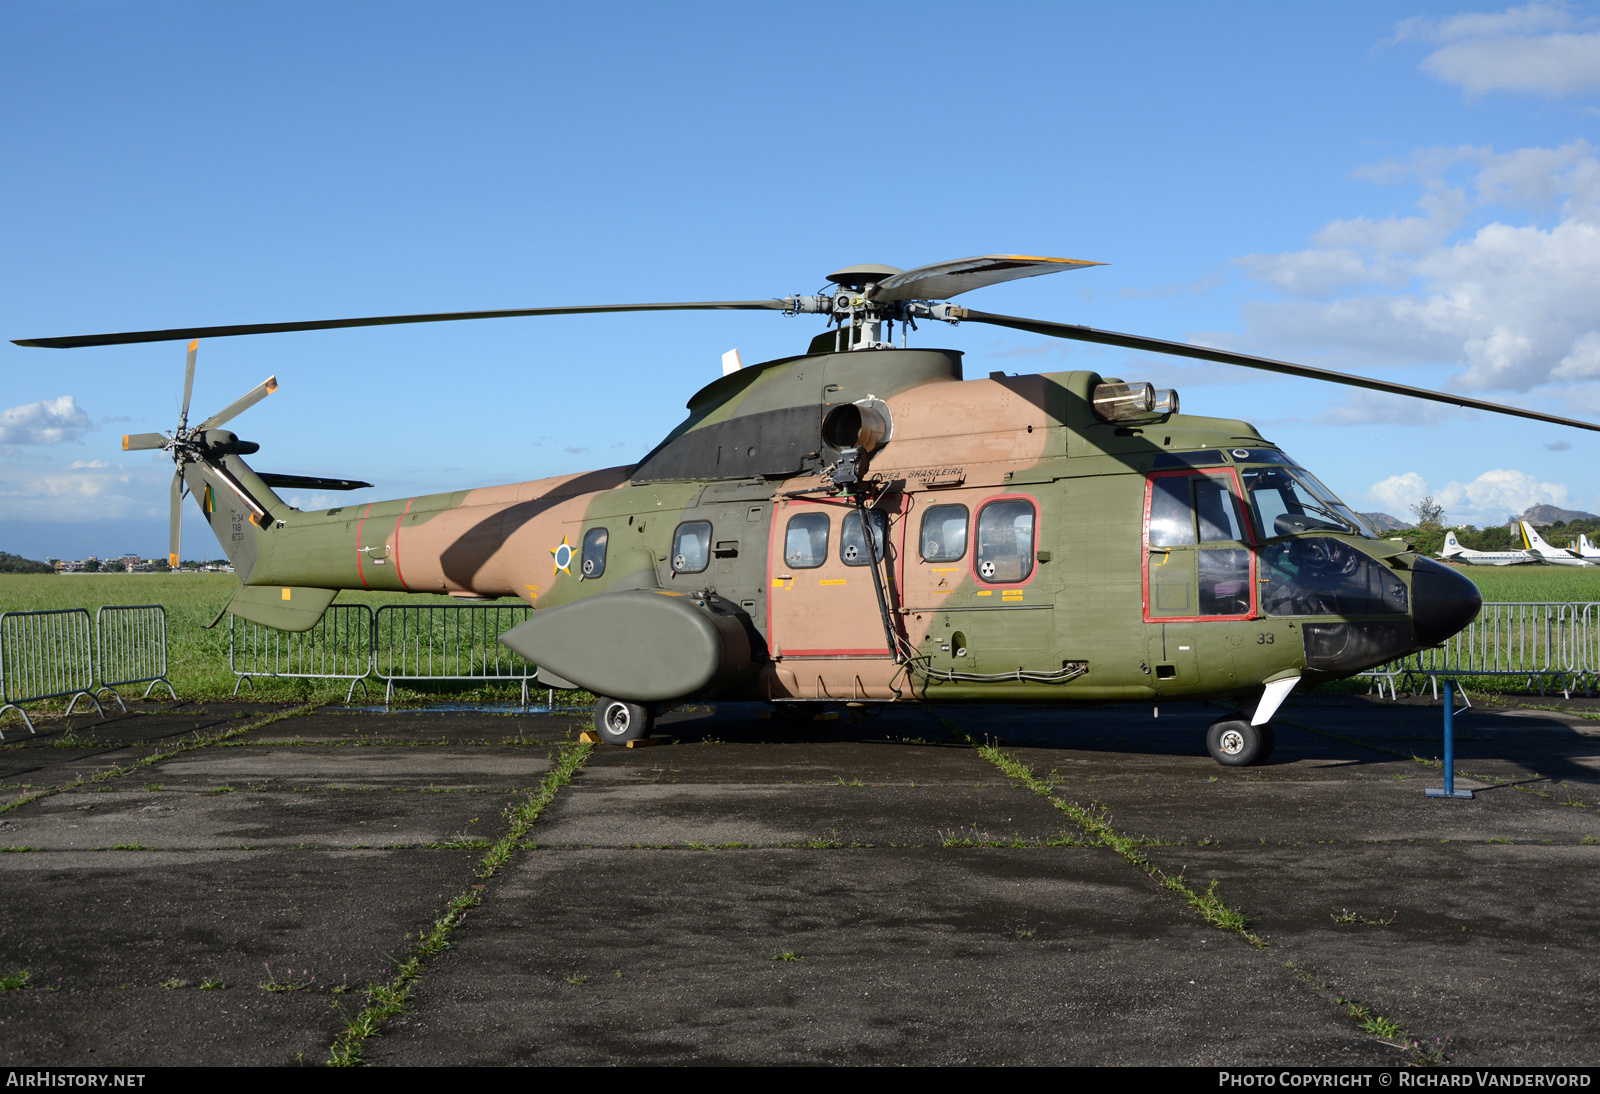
862	523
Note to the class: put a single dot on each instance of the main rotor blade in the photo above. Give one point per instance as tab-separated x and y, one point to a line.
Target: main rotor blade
188	384
79	341
942	280
241	404
1266	364
138	442
175	526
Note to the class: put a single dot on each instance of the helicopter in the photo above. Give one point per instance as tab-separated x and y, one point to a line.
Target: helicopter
862	523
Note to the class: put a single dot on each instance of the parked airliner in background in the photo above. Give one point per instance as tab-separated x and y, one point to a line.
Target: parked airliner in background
1546	553
1454	552
1584	549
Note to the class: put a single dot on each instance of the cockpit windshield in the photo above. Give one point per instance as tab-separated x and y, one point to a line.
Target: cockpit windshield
1285	500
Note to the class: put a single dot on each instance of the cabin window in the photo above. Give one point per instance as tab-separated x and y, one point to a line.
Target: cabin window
944	533
853	545
805	541
1199	563
594	553
691	547
1005	541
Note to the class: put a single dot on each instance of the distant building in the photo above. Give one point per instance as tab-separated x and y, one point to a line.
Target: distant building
68	566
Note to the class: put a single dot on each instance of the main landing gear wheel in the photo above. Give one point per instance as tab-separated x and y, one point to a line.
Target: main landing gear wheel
1234	742
619	721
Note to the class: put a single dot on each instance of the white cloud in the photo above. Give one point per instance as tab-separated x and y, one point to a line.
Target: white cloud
1538	48
1515	306
83	492
1396	494
49	421
1583	363
1487	499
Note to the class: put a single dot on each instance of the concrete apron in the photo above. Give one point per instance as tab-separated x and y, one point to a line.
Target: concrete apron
933	910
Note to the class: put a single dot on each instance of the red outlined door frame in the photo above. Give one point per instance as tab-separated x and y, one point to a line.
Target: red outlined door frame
776	566
1240	513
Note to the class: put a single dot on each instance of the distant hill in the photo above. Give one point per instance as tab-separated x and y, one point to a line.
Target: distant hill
1542	516
1383	522
16	564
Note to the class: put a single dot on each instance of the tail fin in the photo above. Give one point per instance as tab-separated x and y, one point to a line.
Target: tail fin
1536	542
236	503
1451	546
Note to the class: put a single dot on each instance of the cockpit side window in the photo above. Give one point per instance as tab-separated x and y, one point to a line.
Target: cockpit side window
1286	500
1198	561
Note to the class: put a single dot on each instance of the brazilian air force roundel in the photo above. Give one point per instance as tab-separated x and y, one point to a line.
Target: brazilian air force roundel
563	557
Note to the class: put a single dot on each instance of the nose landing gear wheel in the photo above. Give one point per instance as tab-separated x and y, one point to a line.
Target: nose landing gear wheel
1234	742
618	721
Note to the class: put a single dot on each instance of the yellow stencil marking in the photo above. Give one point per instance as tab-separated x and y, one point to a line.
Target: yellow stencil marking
286	594
831	581
985	592
533	591
1011	596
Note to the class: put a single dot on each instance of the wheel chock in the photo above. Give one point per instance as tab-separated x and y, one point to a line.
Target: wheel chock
589	737
644	742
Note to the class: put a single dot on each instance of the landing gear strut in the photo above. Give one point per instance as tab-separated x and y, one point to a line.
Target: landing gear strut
1234	742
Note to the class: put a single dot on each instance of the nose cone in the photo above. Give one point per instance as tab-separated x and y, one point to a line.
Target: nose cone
1443	601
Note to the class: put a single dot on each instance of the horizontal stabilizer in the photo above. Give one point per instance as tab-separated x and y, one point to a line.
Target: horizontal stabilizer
282	607
310	482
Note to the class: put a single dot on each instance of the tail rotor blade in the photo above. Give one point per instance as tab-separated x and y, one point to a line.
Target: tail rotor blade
175	527
138	442
241	404
188	384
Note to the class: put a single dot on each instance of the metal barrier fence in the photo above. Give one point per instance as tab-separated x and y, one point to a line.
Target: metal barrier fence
1538	642
45	655
457	642
130	647
339	647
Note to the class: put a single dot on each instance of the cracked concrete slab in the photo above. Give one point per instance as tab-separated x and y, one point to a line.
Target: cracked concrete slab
1040	956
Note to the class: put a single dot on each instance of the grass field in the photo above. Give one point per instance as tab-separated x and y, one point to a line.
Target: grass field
1533	583
198	657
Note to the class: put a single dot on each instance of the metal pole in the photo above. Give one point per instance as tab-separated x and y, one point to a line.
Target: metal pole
1449	790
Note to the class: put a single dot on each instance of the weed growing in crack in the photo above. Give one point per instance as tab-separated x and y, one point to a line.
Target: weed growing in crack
174	984
1347	916
577	980
787	955
212	985
16	981
386	1000
1097	824
1429	1054
272	983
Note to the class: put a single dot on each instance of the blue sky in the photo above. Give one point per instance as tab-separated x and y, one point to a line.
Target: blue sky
1408	190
